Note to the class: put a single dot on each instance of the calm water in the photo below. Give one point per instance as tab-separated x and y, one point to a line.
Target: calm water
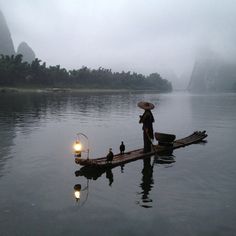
193	196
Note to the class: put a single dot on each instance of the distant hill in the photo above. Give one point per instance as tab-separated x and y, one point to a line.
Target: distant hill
178	82
26	51
6	43
212	74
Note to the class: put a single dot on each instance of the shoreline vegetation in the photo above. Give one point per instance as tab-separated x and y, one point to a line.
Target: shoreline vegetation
71	90
17	75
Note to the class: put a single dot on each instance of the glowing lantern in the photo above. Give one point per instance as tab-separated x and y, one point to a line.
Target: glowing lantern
78	148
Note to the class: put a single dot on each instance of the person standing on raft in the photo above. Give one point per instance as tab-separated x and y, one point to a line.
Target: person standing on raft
147	119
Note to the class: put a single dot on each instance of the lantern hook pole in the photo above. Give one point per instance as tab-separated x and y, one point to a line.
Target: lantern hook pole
86	137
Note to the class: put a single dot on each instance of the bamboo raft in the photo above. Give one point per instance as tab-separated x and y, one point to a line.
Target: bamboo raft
134	155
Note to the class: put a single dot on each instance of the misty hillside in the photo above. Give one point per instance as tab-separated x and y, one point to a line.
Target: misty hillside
24	70
6	43
212	74
27	52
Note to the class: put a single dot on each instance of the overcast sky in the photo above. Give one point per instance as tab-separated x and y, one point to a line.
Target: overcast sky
131	35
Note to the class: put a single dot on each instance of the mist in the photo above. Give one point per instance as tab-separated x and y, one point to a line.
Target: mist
141	36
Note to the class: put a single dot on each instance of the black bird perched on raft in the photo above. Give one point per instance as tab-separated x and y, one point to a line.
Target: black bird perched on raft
110	156
122	148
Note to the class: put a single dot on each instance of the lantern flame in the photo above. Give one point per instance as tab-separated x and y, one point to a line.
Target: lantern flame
77	146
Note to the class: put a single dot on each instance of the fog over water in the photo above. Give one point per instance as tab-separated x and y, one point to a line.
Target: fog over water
141	36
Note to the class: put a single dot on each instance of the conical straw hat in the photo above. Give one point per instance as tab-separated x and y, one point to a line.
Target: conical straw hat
146	105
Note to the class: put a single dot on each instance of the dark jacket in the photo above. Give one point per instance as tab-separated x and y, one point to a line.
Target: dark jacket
147	119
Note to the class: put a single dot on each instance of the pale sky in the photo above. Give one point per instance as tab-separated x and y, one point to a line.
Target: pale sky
144	36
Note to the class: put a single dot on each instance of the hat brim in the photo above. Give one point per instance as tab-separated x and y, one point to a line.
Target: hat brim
146	105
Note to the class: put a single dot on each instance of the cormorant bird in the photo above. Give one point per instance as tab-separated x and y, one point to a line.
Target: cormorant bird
122	148
110	156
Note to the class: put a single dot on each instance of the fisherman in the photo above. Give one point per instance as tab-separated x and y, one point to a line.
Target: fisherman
110	155
147	119
122	148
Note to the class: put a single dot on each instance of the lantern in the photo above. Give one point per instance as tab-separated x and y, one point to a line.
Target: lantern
81	144
77	148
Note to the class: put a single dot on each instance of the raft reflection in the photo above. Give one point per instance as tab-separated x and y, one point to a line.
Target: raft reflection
94	173
147	181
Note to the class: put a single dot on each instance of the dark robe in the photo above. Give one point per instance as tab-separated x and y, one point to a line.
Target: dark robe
147	119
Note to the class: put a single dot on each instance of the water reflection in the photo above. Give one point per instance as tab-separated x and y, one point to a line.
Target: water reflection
7	135
81	194
109	176
94	173
21	113
147	183
165	157
77	189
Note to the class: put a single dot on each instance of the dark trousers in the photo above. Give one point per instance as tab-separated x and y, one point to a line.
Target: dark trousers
147	143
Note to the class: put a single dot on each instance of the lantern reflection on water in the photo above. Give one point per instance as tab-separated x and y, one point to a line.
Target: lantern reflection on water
78	193
77	189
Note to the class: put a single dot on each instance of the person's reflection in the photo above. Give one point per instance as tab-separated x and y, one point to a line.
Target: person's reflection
109	175
147	181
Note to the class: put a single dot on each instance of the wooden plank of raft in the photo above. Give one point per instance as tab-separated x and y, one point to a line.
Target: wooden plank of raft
138	154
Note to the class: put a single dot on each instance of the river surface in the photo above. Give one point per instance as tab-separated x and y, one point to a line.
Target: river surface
196	195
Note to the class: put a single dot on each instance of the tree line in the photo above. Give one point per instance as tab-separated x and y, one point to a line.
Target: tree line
14	72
